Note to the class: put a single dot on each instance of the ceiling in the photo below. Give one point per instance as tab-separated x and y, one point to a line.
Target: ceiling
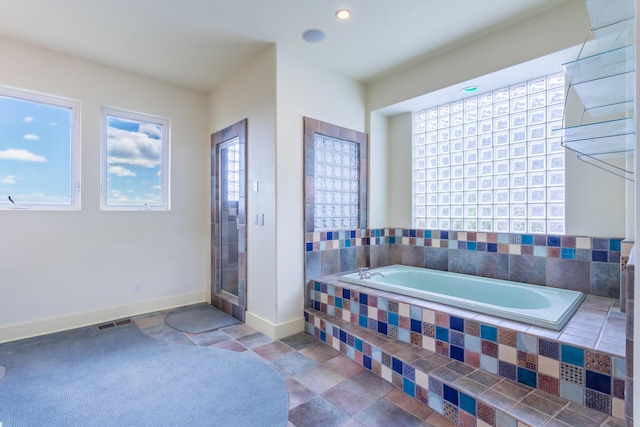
197	43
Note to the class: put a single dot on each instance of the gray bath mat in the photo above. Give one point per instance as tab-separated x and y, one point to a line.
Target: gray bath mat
198	318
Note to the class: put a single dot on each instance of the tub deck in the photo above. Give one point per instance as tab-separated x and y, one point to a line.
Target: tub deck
371	325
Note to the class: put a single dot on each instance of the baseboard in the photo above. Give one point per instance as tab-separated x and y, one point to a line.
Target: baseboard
273	330
76	320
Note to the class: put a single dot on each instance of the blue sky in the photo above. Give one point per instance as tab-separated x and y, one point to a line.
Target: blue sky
134	163
35	156
34	152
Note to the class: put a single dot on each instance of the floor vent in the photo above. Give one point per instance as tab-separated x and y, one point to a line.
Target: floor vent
113	324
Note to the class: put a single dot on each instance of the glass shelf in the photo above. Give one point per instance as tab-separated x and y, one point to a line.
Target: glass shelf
605	12
604	139
603	78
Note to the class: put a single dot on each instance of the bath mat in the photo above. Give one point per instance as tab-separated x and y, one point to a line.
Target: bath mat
121	377
198	318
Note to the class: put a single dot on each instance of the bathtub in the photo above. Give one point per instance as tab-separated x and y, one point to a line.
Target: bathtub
536	305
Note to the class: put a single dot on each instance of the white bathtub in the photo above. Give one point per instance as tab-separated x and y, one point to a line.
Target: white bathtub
536	305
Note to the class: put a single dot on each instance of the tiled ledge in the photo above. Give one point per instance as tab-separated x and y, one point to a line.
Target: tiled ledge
464	395
577	364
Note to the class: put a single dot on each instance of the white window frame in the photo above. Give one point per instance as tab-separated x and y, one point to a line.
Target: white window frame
74	147
165	162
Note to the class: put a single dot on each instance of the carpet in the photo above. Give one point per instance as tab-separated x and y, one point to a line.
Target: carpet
198	318
121	377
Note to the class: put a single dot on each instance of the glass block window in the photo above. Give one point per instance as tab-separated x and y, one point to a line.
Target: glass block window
233	171
336	178
488	162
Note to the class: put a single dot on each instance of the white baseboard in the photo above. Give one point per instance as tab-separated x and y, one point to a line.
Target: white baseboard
76	320
273	330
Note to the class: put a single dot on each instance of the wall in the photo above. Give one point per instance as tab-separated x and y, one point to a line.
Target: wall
251	93
61	270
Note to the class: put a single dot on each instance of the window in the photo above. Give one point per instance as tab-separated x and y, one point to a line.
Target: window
39	151
135	161
335	177
489	162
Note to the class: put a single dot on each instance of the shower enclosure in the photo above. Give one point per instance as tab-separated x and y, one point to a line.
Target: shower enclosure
228	220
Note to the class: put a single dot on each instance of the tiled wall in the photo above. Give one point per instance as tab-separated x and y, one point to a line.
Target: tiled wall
630	270
587	264
588	377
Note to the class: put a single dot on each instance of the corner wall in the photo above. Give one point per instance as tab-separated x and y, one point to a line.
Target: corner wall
61	270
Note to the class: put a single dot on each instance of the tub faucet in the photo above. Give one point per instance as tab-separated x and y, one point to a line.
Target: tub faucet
366	274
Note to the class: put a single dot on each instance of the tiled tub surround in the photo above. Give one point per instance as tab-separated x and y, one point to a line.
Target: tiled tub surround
587	264
575	364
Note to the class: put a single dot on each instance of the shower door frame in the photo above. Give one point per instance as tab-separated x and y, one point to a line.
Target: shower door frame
234	305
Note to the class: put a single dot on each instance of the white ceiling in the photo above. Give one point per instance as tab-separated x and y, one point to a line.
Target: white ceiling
197	43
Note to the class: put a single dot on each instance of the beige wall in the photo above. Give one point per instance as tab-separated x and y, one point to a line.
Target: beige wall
60	270
596	203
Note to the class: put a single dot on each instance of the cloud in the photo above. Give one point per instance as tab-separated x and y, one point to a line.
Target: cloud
31	137
120	171
133	148
28	119
21	155
9	179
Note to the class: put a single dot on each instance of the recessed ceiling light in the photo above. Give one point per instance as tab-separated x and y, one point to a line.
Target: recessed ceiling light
313	35
469	89
343	14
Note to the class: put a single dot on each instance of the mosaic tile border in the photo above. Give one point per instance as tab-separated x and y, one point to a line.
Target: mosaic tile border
578	248
464	395
582	375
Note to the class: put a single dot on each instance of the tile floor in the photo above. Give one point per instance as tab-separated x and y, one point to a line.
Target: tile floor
326	388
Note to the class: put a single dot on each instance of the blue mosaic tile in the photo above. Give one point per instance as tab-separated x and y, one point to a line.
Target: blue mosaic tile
396	365
528	343
472	343
309	247
527	239
364	298
600	244
471	246
456	353
456	338
568	253
383	304
444	235
541	251
482	247
409	387
416	325
515	239
615	244
527	377
409	372
461	245
427	234
415	312
492	247
599	256
364	310
392	319
507	370
489	333
436	386
382	328
468	404
540	240
373	325
550	349
392	240
404	335
392	331
598	382
572	355
436	403
346	293
366	362
323	336
456	323
442	334
450	395
338	302
553	241
489	364
503	238
357	344
598	401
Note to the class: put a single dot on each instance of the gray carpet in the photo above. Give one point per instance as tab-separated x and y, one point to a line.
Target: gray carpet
121	377
198	318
